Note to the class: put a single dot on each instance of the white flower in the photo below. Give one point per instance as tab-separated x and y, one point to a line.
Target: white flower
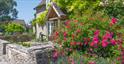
101	4
123	2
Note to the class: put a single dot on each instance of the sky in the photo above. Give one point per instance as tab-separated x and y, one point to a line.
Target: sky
26	9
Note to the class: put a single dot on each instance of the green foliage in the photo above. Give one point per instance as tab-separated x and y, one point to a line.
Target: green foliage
7	9
2	27
13	27
77	58
115	8
79	8
33	22
26	44
5	18
40	19
76	8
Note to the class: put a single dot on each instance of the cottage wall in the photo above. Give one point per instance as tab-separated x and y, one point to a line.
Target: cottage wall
54	13
34	30
38	30
41	29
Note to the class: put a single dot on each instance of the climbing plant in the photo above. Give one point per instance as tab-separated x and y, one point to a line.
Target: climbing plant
33	22
40	19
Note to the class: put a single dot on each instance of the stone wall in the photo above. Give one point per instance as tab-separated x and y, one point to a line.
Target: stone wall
3	47
36	54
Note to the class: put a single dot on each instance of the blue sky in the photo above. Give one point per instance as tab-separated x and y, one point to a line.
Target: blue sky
25	9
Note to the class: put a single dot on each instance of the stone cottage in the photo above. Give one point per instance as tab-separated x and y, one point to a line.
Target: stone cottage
54	18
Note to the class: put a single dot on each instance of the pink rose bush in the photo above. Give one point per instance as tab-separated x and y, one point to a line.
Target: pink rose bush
91	36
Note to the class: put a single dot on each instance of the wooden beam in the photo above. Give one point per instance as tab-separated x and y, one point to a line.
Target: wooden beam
50	19
59	23
56	11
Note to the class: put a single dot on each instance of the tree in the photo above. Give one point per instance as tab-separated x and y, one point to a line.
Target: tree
76	8
8	10
2	27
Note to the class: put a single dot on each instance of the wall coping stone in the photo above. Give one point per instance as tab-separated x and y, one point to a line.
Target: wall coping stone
3	41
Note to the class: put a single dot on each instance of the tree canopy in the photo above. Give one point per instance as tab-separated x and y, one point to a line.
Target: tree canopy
8	10
79	8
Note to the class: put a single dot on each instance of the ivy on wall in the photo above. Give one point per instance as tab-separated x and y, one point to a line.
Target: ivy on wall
40	19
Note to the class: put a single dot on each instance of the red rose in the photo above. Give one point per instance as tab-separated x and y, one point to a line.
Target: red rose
92	62
78	31
65	34
57	33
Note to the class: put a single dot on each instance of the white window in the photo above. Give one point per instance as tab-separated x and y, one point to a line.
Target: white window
50	28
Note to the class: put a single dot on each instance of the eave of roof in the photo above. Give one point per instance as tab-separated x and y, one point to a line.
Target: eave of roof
57	10
43	2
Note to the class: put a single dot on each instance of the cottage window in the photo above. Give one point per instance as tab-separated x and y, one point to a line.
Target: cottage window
50	28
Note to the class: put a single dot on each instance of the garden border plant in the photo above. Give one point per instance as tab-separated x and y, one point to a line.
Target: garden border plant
98	36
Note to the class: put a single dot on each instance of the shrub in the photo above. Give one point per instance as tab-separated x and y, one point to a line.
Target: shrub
13	27
97	34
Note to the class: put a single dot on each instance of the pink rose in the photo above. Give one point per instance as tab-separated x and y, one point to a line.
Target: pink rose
113	20
92	44
95	40
104	43
65	34
113	42
96	33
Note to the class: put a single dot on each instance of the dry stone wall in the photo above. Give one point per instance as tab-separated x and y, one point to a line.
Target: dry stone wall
36	54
